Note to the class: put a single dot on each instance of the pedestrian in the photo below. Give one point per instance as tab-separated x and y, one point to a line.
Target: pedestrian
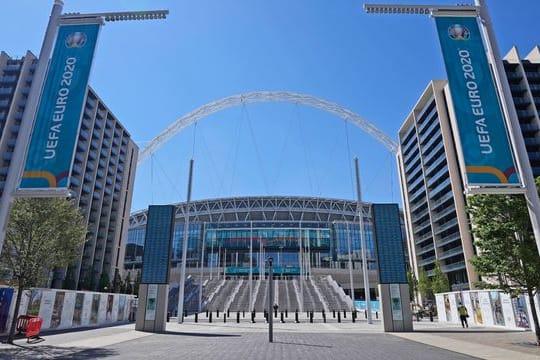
463	315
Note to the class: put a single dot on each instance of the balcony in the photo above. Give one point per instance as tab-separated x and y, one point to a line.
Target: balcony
453	267
447	225
448	239
452	252
421	239
426	261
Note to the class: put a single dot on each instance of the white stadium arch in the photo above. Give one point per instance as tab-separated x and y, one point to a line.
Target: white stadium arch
265	97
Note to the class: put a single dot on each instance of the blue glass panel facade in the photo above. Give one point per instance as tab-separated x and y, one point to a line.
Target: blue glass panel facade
157	244
389	244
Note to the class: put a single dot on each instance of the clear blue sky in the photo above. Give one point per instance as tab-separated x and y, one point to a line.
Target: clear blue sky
151	73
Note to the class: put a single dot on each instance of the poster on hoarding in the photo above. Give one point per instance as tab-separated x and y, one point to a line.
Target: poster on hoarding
69	305
46	308
95	309
496	307
6	294
121	307
58	308
520	312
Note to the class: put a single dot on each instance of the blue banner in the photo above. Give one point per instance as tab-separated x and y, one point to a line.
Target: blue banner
485	146
58	117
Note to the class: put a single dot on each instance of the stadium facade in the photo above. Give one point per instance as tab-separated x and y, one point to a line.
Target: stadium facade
437	225
232	238
100	181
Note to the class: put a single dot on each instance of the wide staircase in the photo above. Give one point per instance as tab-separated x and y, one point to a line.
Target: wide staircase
317	294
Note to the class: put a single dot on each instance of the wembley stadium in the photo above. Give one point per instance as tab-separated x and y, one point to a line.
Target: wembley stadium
314	242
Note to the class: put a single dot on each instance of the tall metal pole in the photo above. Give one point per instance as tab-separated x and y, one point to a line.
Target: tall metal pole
211	259
184	248
514	129
363	242
202	268
351	282
270	301
250	264
27	123
300	257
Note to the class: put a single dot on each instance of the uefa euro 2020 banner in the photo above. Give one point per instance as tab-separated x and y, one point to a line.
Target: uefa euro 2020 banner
485	146
50	153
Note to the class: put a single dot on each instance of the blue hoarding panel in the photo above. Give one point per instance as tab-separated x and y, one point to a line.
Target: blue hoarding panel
388	237
50	152
158	244
485	146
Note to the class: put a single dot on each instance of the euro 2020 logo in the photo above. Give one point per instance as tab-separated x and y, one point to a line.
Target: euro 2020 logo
459	32
76	40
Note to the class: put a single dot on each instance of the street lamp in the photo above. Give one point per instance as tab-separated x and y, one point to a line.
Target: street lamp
514	130
119	16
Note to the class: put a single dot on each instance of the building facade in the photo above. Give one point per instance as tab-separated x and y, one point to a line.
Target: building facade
305	236
437	225
101	178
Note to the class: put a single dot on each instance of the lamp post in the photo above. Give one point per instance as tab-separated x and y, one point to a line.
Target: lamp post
514	131
270	315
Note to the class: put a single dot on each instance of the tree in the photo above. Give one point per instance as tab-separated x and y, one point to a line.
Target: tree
424	285
42	233
413	285
507	252
439	281
138	279
128	284
104	283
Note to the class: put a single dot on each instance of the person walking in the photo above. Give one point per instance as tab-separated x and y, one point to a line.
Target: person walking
463	315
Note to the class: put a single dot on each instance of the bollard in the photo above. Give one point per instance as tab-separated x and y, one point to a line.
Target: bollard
376	314
365	314
324	316
353	316
168	316
210	318
238	317
253	317
286	313
339	317
196	317
431	316
228	313
224	317
296	316
344	314
334	314
275	313
311	317
206	312
217	313
185	313
243	313
282	319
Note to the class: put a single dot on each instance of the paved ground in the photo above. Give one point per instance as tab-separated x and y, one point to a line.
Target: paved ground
223	341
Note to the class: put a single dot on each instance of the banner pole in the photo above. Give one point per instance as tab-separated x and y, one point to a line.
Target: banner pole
514	130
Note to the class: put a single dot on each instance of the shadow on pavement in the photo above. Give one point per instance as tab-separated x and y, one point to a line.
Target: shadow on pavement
197	334
51	352
469	330
311	345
